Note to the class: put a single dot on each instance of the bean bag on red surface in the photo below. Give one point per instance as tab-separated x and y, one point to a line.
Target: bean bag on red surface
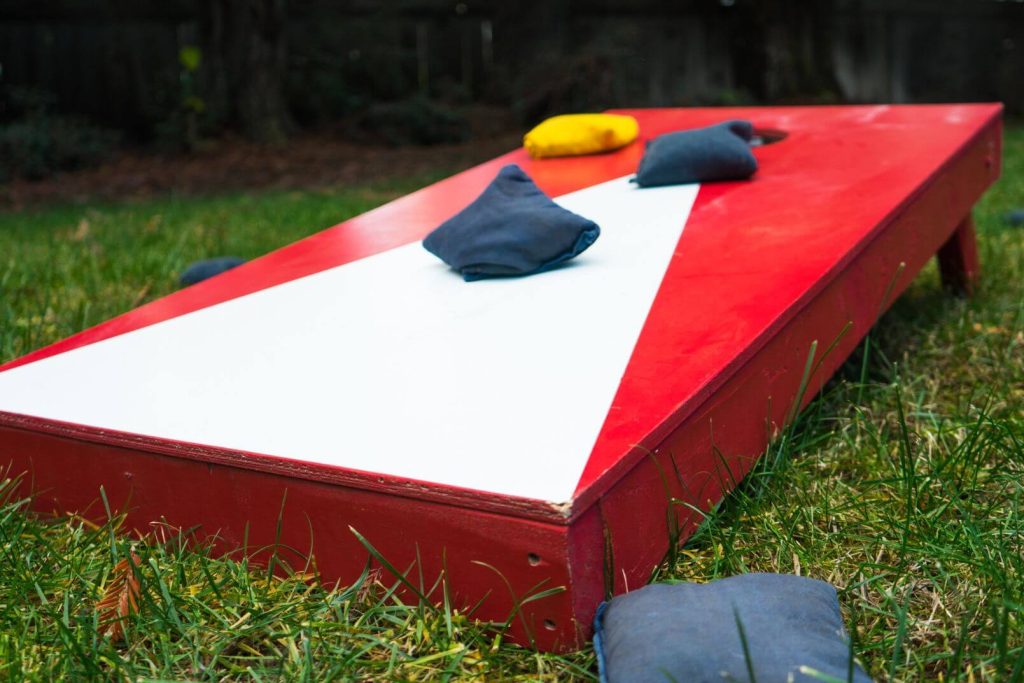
575	134
691	632
513	228
719	152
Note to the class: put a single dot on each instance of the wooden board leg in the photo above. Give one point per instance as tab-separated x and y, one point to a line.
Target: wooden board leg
958	258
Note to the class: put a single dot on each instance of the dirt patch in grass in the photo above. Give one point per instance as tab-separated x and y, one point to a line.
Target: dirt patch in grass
312	160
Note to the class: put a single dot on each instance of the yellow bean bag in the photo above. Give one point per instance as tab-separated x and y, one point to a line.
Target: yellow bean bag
574	134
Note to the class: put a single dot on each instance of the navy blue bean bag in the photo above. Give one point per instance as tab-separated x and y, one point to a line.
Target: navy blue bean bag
512	228
203	270
691	633
1014	217
719	152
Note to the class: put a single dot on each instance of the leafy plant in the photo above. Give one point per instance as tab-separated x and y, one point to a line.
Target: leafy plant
120	599
38	148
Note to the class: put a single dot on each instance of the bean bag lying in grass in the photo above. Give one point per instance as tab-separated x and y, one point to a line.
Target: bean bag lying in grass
203	270
1014	217
691	633
720	152
513	228
575	134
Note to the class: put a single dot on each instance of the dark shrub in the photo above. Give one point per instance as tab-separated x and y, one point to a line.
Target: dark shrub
414	121
38	147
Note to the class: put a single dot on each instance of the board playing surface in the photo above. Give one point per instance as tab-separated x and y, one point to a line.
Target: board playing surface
356	359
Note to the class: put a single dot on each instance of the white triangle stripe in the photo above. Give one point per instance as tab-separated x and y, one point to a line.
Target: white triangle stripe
392	364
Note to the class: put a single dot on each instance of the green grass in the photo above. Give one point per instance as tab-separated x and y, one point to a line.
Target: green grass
902	484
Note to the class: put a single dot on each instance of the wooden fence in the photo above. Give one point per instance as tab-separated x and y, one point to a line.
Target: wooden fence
120	67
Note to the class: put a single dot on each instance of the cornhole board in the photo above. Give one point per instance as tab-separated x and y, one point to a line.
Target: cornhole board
536	441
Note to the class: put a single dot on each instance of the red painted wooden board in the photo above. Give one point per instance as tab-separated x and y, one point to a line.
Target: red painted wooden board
698	308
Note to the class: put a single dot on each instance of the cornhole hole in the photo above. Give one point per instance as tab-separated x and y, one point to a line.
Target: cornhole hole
530	439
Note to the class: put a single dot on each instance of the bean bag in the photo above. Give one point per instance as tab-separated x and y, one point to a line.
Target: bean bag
691	632
575	134
202	270
719	152
513	228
